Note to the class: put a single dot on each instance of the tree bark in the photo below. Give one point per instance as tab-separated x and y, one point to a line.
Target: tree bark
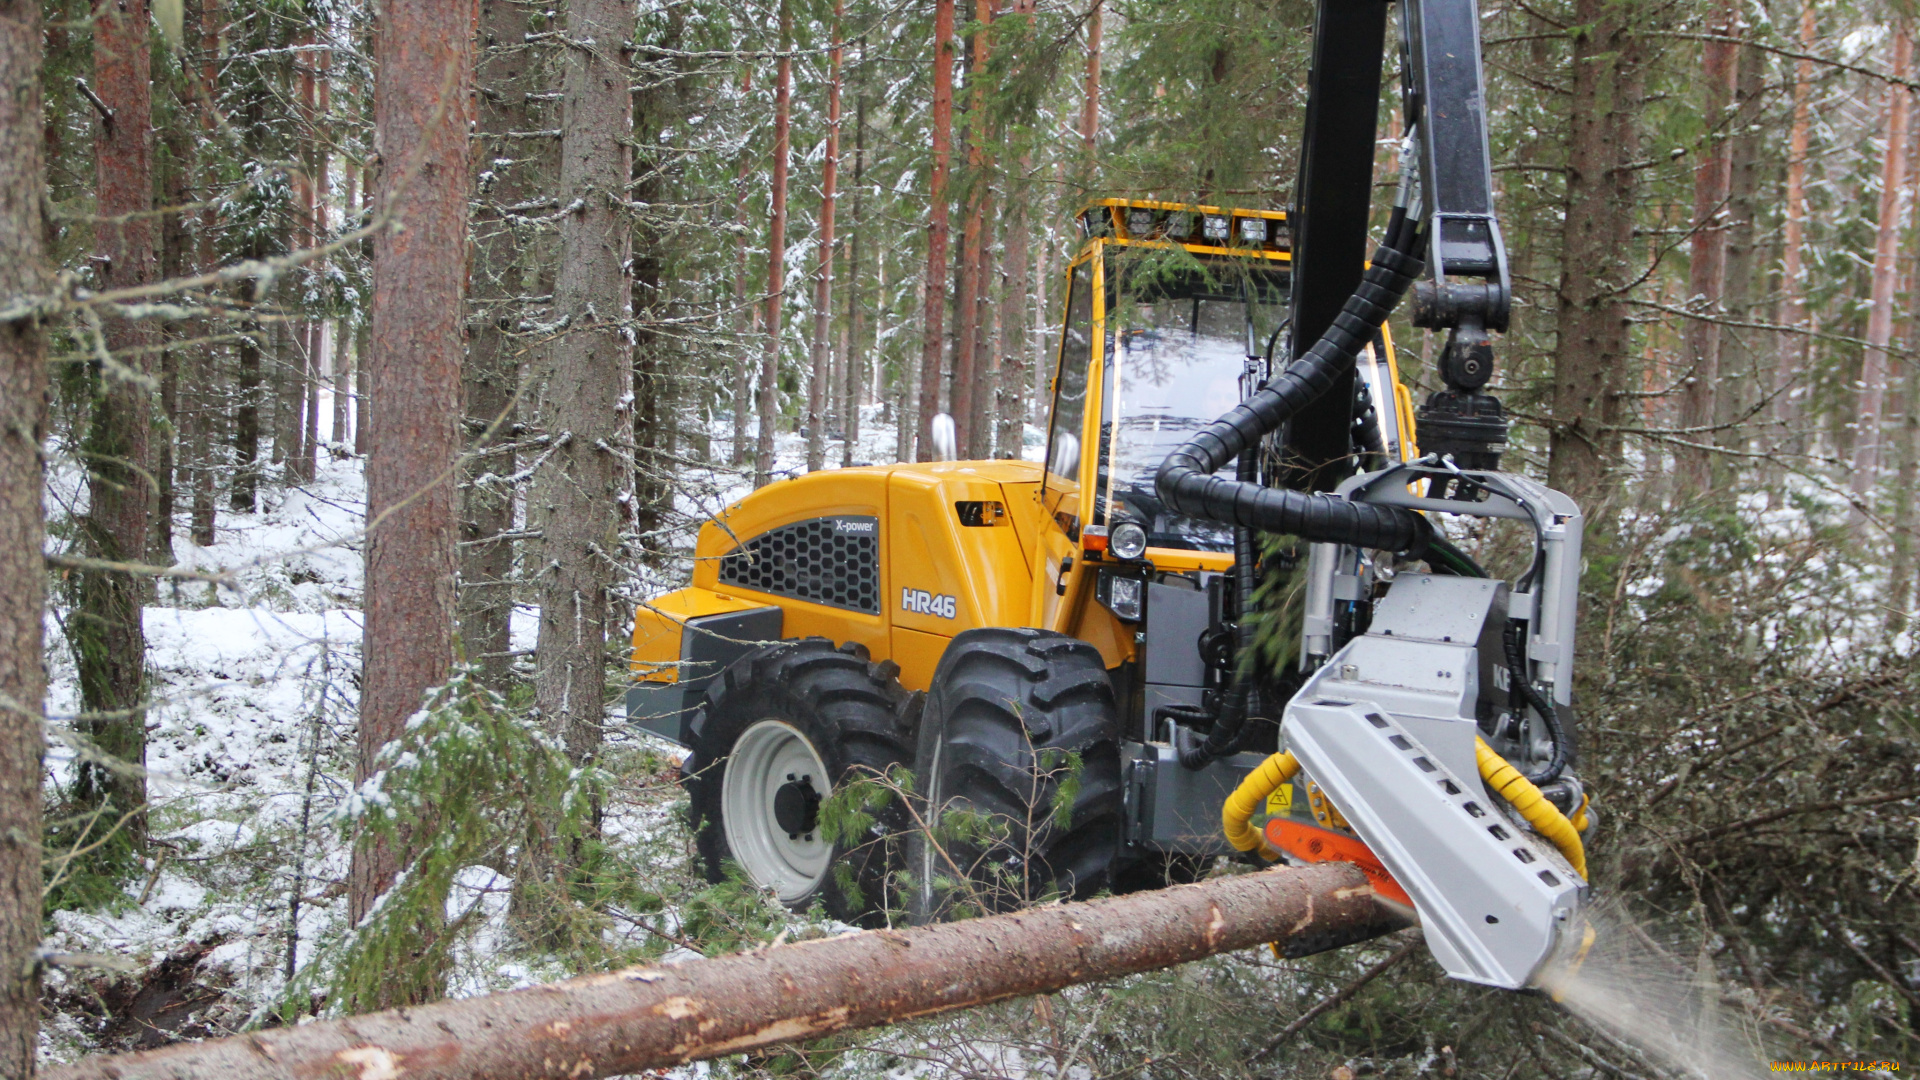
319	357
1090	103
583	485
502	176
972	348
645	1018
363	339
769	409
853	358
1592	359
1793	350
933	339
107	630
23	430
657	385
1736	397
423	111
1707	261
201	18
746	315
1873	372
820	375
342	385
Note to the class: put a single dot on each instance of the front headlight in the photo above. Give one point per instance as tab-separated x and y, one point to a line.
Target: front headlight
1127	541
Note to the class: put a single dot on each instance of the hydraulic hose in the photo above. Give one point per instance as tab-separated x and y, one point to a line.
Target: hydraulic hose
1546	818
1518	681
1224	736
1186	480
1249	797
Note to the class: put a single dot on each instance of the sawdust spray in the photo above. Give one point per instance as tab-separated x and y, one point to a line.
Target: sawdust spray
1655	1012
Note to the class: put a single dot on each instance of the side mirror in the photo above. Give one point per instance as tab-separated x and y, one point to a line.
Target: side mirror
946	444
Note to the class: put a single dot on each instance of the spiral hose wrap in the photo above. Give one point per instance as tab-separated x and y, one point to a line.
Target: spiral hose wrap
1186	480
1546	818
1249	797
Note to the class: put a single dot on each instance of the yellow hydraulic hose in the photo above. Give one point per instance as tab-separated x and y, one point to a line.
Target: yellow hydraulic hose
1545	817
1249	797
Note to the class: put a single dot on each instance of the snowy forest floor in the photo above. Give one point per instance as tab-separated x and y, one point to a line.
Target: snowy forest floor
250	763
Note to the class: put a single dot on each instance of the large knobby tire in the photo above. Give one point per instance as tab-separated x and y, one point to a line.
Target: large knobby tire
1018	769
781	730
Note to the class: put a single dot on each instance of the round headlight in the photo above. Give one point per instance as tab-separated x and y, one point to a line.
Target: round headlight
1127	541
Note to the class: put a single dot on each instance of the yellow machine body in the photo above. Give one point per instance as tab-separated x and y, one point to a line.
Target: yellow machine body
956	544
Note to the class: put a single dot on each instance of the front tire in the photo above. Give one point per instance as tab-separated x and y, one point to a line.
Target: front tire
1018	765
781	731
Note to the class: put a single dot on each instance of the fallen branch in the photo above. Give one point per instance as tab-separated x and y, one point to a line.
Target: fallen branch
1346	993
644	1018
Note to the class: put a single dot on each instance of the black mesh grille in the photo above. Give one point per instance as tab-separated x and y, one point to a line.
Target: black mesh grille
831	561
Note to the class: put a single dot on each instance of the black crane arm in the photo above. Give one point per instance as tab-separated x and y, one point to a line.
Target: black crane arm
1466	289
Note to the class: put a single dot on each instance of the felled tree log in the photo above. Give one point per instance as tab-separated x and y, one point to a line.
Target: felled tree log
675	1013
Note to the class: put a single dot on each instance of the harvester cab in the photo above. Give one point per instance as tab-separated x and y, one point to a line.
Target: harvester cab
1221	614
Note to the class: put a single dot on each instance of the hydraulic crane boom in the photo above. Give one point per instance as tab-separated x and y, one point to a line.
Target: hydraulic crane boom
1434	721
1466	288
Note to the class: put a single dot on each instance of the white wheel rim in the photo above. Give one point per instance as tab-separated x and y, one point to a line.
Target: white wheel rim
762	760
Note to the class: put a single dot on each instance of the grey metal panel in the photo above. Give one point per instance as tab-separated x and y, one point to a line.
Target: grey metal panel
1490	911
1176	617
1176	809
658	708
709	645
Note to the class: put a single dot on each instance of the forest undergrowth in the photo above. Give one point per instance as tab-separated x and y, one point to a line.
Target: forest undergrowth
1740	740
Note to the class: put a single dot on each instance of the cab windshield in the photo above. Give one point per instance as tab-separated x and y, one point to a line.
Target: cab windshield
1176	362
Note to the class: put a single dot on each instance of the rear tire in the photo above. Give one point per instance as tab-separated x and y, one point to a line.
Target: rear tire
1009	712
781	730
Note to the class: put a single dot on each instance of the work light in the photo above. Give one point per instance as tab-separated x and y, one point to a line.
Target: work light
1127	541
1217	228
1253	230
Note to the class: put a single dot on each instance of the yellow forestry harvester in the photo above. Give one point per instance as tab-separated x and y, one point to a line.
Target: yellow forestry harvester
1222	616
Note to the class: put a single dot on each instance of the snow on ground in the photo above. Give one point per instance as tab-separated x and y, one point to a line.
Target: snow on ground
251	732
254	699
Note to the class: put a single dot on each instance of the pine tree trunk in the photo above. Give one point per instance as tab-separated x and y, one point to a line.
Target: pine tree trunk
746	314
201	20
933	331
583	485
1707	260
423	110
986	374
342	385
1090	103
769	409
318	358
182	356
1794	349
1044	358
1591	362
506	172
1735	398
820	374
244	497
853	356
656	387
107	628
1011	391
1873	373
23	430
